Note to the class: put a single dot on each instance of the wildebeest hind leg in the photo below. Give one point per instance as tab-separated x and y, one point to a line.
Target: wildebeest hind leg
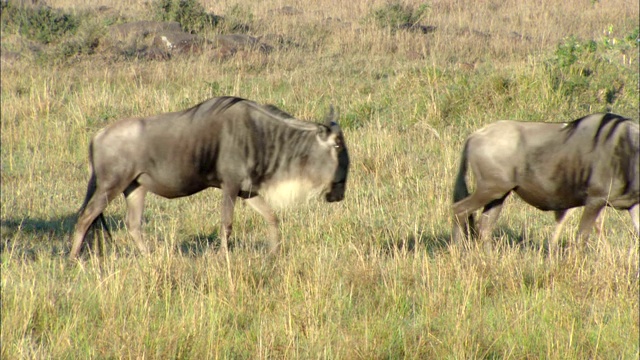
464	208
463	228
481	197
96	203
135	194
487	219
261	206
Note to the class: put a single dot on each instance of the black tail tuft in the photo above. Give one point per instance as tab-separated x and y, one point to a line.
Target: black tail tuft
460	192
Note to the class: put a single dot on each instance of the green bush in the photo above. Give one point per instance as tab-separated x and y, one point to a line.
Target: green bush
587	72
42	23
189	13
237	19
394	15
569	52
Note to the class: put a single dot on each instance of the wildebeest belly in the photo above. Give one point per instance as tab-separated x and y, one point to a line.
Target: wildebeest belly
175	184
550	197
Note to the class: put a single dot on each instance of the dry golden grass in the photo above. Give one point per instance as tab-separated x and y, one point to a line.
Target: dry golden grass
371	277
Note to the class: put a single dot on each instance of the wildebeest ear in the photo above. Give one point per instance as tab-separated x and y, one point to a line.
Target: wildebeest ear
330	120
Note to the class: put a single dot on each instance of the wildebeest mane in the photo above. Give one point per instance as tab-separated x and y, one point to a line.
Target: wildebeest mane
218	105
283	117
272	112
276	111
608	118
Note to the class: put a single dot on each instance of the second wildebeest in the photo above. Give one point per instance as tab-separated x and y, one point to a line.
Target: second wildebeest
258	153
591	162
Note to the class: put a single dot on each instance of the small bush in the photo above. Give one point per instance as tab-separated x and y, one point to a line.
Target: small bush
634	37
41	23
237	19
571	50
396	15
189	13
584	71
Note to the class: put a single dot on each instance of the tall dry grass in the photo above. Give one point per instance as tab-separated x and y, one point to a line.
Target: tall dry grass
371	277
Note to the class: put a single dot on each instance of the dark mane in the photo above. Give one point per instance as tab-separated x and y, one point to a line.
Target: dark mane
284	118
608	118
214	105
272	109
223	103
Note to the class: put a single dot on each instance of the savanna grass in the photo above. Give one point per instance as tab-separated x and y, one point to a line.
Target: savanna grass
371	277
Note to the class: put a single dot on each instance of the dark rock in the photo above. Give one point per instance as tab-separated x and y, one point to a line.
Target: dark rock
222	53
278	41
9	57
154	53
286	10
26	3
241	41
178	42
517	36
142	28
425	29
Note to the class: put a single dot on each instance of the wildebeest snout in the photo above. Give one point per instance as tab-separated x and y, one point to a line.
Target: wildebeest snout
336	193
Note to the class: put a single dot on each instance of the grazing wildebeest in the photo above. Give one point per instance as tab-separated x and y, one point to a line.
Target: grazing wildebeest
258	153
591	162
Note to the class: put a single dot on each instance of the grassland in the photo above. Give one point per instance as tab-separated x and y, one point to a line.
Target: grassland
373	277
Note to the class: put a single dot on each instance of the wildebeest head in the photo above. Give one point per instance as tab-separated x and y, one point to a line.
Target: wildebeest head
332	136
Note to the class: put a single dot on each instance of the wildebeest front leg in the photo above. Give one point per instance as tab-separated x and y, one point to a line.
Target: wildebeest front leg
135	195
261	206
634	211
561	219
487	219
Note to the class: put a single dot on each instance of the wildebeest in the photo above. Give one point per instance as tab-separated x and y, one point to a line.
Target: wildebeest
592	162
256	152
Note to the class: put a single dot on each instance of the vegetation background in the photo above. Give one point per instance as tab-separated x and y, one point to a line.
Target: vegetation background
372	277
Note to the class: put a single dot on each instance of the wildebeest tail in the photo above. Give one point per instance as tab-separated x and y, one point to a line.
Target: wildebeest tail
460	190
91	189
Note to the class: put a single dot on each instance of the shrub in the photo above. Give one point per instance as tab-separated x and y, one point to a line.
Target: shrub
587	72
237	19
395	15
41	23
189	13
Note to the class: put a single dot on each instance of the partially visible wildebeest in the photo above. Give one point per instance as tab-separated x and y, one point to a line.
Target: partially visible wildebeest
591	162
258	153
